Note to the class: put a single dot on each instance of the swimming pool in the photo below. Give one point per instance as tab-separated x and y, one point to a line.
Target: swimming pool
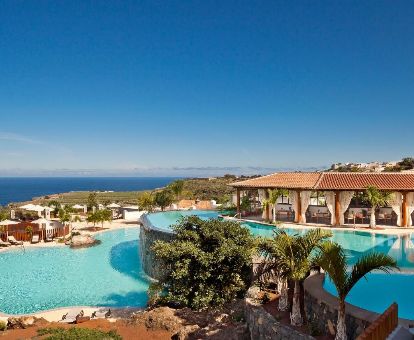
107	275
376	293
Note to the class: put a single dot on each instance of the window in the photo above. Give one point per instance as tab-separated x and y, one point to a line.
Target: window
284	199
318	199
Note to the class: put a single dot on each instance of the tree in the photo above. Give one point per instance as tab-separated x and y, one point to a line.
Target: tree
207	263
56	206
146	201
406	163
103	216
163	199
333	261
274	196
292	256
92	218
92	200
64	216
376	199
177	188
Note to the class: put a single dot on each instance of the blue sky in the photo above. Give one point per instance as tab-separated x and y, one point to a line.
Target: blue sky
203	87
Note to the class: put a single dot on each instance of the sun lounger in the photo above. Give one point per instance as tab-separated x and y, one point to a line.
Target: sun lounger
48	239
4	244
101	314
72	316
35	238
13	241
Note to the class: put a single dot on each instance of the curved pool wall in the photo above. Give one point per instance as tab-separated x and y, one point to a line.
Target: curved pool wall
148	234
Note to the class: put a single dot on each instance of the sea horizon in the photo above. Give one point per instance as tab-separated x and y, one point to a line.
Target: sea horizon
20	189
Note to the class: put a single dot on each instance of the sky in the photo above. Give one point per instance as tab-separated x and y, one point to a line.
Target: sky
176	88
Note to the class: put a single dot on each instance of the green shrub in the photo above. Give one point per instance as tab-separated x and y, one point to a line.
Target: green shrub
75	333
3	325
208	263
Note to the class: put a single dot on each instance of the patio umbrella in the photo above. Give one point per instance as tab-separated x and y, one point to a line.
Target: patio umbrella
27	206
77	206
113	205
6	223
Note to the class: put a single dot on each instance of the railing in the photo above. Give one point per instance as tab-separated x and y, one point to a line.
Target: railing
20	234
382	327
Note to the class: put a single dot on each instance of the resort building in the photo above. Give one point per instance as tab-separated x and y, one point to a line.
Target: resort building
334	198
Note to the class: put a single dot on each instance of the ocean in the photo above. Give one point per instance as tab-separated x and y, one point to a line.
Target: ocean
17	189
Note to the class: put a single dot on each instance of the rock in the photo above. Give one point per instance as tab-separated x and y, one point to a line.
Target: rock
159	318
222	318
185	332
24	322
253	292
83	240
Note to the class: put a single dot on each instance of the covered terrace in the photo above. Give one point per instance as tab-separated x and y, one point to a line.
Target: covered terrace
332	198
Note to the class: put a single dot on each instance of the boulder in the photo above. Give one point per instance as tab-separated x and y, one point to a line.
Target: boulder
82	241
159	318
24	322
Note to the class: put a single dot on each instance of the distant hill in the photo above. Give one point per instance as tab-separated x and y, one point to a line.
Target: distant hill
404	165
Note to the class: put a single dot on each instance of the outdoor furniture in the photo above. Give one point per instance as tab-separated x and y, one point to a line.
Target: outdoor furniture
35	238
101	314
4	244
284	215
48	239
72	316
13	241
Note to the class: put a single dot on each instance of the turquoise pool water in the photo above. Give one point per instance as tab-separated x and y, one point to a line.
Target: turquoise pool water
44	278
376	293
379	291
164	220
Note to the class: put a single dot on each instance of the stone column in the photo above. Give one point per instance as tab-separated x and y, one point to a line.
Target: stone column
238	200
404	210
337	209
267	206
298	212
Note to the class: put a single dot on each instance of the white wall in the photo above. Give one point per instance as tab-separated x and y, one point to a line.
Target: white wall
131	215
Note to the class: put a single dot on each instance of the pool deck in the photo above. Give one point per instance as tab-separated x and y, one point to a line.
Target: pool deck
108	226
55	315
380	229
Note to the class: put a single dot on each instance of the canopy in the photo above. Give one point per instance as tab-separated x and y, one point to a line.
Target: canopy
113	205
78	206
41	221
8	222
37	208
27	206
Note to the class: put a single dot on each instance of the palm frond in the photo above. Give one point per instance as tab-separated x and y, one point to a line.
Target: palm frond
332	260
368	263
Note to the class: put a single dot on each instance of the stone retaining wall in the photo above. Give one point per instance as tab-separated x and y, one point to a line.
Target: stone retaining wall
263	325
148	234
321	309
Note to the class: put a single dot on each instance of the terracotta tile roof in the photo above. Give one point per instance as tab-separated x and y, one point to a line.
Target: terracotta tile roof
357	181
288	180
331	181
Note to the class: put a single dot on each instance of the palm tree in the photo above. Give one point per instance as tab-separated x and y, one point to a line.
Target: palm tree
265	204
332	260
293	255
272	265
376	199
273	197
